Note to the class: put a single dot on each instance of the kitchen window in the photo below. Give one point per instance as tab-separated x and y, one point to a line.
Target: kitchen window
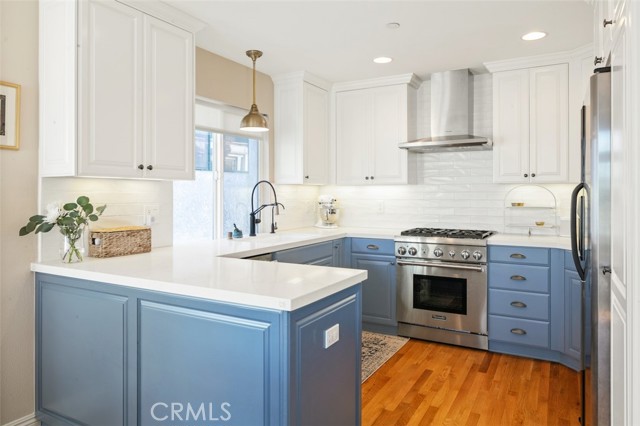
227	164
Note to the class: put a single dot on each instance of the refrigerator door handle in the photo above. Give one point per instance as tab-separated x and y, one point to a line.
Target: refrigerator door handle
574	231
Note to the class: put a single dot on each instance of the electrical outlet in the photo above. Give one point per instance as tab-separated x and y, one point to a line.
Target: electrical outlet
331	335
151	214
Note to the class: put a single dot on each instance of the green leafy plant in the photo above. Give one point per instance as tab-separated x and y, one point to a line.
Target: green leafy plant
71	219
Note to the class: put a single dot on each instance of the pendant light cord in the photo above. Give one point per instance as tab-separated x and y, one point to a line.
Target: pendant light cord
254	80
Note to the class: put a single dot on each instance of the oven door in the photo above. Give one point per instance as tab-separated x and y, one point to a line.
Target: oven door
443	295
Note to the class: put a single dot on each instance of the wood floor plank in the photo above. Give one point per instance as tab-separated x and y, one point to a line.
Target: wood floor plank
435	384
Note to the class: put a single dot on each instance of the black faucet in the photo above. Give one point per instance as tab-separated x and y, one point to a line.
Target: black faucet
275	206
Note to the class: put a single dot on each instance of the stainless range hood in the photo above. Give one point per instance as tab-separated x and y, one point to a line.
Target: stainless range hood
451	115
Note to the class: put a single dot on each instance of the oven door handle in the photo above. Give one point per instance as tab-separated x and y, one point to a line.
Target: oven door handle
443	265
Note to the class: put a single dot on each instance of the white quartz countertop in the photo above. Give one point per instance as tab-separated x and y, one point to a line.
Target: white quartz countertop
217	270
530	241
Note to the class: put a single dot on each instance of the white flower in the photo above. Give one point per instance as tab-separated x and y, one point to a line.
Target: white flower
53	212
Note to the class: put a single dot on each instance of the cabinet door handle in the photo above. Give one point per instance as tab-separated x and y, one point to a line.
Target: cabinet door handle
606	22
597	60
373	247
141	166
149	167
518	278
518	304
517	256
518	331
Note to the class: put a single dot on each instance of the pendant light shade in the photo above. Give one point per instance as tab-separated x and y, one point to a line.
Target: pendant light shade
254	121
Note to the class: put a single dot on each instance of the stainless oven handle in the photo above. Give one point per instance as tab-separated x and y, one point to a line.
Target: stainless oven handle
442	265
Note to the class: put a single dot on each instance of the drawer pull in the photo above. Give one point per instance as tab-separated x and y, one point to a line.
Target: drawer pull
518	331
373	247
517	256
518	278
517	304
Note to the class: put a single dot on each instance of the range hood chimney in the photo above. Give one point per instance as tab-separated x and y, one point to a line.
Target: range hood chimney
451	115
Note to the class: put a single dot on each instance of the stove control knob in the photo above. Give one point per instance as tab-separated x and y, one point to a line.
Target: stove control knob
402	251
477	255
438	252
464	254
413	251
452	254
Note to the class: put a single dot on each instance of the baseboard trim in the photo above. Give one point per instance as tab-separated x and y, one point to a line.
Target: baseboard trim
28	420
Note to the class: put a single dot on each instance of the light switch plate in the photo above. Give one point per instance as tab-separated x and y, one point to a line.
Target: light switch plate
331	335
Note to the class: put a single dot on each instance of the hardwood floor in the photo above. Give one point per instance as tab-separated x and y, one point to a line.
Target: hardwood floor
434	384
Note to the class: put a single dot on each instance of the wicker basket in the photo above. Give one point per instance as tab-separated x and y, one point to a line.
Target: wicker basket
121	241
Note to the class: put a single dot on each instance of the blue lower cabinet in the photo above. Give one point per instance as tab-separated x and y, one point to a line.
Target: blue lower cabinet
378	290
535	304
112	355
83	365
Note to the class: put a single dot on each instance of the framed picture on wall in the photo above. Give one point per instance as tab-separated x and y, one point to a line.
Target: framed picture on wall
9	115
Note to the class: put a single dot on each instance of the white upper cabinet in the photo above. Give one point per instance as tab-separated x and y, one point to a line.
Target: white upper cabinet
301	130
608	17
134	87
531	125
370	123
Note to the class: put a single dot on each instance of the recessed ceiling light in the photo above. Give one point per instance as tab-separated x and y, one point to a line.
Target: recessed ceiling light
382	60
534	35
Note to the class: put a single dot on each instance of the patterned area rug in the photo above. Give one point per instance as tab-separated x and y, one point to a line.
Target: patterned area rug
377	349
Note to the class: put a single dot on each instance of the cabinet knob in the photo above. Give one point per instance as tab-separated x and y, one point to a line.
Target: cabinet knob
149	167
598	60
306	177
141	167
518	331
533	175
526	175
606	22
366	178
371	177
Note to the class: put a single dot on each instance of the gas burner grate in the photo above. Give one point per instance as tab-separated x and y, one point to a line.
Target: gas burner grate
448	233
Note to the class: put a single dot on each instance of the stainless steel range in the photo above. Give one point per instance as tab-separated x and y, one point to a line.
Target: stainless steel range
442	285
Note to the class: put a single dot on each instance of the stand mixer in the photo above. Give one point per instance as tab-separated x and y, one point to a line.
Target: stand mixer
327	212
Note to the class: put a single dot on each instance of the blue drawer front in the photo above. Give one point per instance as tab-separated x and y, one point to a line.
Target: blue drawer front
521	255
519	277
519	304
372	246
507	329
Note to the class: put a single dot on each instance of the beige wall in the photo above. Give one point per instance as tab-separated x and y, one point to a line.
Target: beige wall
18	201
225	81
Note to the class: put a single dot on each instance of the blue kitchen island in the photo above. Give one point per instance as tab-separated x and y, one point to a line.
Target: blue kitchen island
182	337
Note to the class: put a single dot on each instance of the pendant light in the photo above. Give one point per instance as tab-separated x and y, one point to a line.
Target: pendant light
254	121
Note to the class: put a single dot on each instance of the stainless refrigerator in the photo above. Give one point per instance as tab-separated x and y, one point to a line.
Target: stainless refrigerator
591	249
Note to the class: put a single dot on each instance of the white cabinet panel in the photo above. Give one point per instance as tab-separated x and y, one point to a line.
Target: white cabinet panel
169	87
531	133
511	126
370	123
301	131
548	125
110	90
354	133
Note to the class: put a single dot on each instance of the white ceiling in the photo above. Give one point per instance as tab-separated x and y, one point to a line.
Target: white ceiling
337	40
